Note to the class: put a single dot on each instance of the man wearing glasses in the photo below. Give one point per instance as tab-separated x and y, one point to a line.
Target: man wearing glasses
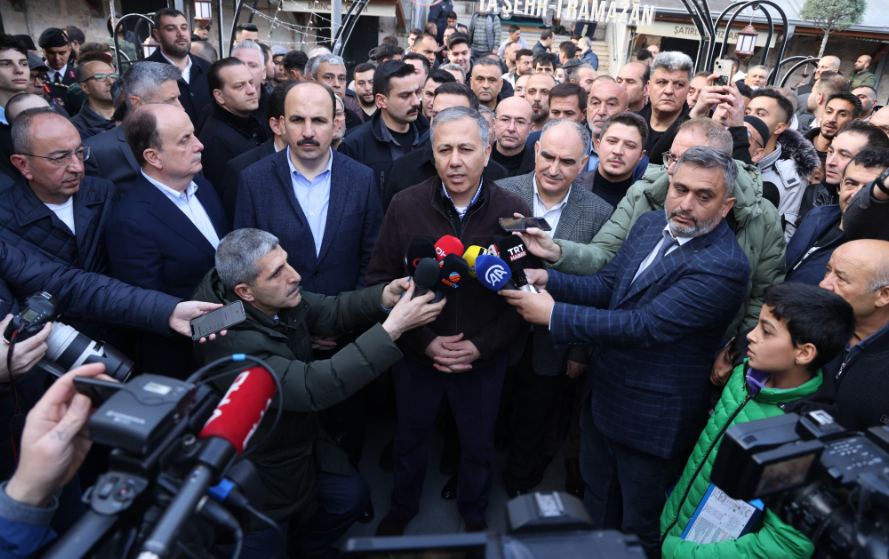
52	210
96	79
512	124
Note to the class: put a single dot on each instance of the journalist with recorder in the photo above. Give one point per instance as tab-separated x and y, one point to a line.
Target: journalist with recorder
655	315
462	354
304	472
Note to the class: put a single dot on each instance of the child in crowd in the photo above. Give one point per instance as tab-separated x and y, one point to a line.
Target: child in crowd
800	329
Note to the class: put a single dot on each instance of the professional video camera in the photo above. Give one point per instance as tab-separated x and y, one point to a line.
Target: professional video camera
66	347
830	484
176	486
541	525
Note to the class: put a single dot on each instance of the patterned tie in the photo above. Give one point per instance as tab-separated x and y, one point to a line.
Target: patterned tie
668	243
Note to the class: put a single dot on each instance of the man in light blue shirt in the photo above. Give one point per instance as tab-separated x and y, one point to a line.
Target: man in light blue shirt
313	195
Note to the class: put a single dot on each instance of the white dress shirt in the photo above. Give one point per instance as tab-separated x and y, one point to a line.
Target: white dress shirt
648	259
188	203
186	73
551	215
51	74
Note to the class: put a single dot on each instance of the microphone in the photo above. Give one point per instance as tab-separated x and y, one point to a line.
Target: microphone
493	272
226	433
446	245
453	270
417	250
470	255
493	249
512	251
426	276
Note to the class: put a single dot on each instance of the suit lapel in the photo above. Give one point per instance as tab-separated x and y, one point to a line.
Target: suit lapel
527	191
216	217
642	248
168	214
339	189
569	217
127	152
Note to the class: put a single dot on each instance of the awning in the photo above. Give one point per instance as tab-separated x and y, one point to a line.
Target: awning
689	31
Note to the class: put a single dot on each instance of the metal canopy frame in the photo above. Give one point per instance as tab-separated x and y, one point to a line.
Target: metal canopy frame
757	5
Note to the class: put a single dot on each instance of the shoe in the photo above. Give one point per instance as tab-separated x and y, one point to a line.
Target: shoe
393	524
514	486
573	481
479	526
449	491
367	515
387	462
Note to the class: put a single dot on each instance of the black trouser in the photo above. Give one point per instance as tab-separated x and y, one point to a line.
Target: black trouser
534	400
474	397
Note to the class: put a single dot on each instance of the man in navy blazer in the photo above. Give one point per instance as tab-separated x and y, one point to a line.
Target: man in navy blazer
322	205
163	233
174	40
655	315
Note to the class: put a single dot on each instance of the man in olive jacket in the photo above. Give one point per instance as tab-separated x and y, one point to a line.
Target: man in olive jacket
754	220
300	465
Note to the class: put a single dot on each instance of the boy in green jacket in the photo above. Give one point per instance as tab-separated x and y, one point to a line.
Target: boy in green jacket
801	327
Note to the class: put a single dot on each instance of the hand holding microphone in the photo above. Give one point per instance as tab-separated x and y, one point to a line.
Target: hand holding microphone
412	312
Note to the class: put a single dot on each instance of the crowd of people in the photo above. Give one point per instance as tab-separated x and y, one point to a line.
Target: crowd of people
713	255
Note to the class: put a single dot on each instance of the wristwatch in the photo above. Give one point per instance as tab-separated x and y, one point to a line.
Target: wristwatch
881	182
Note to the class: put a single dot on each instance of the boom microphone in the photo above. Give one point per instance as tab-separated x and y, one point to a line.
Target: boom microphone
417	250
226	433
426	277
492	272
470	256
446	245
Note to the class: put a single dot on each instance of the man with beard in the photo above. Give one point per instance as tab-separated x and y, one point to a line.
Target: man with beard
829	85
232	127
868	97
670	75
174	40
633	77
391	132
840	110
425	45
165	229
862	75
620	149
512	124
667	297
537	93
486	82
364	88
435	79
607	98
253	56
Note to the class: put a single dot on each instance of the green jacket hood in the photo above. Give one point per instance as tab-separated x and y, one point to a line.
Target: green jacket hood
747	192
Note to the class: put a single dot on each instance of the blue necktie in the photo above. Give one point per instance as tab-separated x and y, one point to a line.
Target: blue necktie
668	243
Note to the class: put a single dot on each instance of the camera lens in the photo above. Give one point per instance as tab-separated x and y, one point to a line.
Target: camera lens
68	348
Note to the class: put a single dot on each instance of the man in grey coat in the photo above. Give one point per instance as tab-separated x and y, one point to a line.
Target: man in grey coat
575	214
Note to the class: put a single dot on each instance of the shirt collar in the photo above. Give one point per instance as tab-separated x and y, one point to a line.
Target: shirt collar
680	240
558	206
295	171
388	138
471	202
189	192
187	66
3	116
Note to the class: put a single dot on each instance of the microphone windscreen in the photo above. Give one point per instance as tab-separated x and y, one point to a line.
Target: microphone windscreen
239	412
470	255
492	272
453	270
493	248
417	250
427	274
446	245
512	251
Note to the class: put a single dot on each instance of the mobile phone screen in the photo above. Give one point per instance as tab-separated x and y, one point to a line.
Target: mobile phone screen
511	224
220	319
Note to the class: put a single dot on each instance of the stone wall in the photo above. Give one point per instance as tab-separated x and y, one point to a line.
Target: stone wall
33	16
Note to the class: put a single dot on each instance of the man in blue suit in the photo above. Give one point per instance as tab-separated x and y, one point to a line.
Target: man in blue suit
321	204
325	210
163	233
655	315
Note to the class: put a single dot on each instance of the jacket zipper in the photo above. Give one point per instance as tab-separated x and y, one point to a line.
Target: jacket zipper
701	465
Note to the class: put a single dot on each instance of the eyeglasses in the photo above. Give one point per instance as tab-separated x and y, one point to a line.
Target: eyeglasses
669	158
102	77
519	122
65	159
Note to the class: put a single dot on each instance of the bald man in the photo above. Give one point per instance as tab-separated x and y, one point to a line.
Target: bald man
826	64
858	271
881	120
862	74
512	125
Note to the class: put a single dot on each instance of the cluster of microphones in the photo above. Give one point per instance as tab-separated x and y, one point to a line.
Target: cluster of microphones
441	266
